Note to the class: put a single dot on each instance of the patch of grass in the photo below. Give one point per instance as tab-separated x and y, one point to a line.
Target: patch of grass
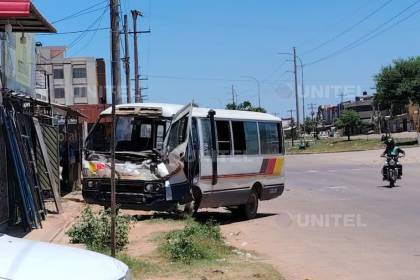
341	145
195	242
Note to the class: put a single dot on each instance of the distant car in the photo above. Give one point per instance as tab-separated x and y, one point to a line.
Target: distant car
22	259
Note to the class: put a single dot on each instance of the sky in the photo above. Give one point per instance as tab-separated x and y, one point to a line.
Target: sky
198	49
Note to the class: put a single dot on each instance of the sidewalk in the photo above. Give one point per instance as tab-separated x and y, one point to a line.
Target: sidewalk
55	226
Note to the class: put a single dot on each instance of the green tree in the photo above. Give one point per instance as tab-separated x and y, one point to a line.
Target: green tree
310	125
349	120
398	84
245	106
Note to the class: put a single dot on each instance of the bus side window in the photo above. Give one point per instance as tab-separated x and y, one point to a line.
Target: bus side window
223	137
245	138
269	138
206	133
281	139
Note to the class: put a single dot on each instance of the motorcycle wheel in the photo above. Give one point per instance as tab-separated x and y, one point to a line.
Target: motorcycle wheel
391	183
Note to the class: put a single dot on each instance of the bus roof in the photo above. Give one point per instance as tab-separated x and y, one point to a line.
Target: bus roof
164	110
168	110
234	114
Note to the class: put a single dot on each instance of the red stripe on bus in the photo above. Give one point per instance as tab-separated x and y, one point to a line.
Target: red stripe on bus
270	167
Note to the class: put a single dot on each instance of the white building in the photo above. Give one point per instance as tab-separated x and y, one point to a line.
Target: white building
69	81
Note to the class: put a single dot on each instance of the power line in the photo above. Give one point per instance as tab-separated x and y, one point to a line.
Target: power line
366	38
75	32
347	30
79	38
82	12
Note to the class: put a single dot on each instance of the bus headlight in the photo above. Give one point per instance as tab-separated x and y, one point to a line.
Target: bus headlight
153	188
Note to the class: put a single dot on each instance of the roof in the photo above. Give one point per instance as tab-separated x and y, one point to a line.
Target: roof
233	114
168	110
23	16
164	110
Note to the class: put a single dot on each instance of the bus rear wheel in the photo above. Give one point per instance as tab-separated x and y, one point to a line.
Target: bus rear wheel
250	209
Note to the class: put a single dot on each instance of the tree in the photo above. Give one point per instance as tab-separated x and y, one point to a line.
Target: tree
398	85
310	125
245	106
348	120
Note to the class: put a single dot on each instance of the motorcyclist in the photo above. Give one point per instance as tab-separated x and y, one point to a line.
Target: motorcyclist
392	150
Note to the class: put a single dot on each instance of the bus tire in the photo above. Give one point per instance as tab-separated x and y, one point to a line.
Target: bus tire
250	209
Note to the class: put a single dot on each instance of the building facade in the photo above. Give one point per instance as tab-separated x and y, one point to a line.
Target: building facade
69	81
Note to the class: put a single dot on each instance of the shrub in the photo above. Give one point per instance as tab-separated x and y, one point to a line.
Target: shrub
94	230
193	243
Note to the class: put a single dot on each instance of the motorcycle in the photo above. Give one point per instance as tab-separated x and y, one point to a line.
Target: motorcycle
392	170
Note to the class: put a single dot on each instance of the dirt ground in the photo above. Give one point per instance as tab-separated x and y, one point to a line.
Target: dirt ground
146	228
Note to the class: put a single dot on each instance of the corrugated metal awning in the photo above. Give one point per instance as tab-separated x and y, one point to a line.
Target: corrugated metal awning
23	16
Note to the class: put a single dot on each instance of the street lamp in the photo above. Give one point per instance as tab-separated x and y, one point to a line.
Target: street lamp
258	87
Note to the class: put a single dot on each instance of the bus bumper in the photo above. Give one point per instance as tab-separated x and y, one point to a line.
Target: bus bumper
272	191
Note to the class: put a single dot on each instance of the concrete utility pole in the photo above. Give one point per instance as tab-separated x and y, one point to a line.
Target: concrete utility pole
116	96
233	95
312	107
303	97
291	123
127	60
137	94
296	91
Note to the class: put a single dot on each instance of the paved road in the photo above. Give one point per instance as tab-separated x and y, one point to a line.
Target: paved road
337	221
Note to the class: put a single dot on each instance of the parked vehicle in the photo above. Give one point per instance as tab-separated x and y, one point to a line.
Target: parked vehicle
210	158
140	132
22	259
392	171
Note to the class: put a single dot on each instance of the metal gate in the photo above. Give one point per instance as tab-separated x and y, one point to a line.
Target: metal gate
51	138
4	198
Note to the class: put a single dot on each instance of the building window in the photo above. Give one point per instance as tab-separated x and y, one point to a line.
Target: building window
80	92
79	72
59	93
58	73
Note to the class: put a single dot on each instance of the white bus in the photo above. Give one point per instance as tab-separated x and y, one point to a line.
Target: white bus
209	159
230	158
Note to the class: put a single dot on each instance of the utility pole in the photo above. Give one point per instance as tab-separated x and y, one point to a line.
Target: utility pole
138	97
312	107
127	60
296	91
341	95
233	95
291	124
116	95
303	99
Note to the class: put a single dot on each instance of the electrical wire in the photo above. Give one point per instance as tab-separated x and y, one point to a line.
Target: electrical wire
349	29
81	12
94	32
361	40
74	32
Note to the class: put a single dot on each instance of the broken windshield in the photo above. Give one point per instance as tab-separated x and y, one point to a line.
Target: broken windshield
133	134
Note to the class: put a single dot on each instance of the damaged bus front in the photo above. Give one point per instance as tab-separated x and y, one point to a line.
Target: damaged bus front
140	173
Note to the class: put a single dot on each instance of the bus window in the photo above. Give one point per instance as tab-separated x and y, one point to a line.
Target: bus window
269	138
223	137
160	135
206	133
251	134
177	133
245	138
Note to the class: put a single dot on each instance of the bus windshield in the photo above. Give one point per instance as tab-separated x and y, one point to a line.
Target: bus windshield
133	134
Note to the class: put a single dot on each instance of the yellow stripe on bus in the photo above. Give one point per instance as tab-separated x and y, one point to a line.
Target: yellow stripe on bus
278	168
